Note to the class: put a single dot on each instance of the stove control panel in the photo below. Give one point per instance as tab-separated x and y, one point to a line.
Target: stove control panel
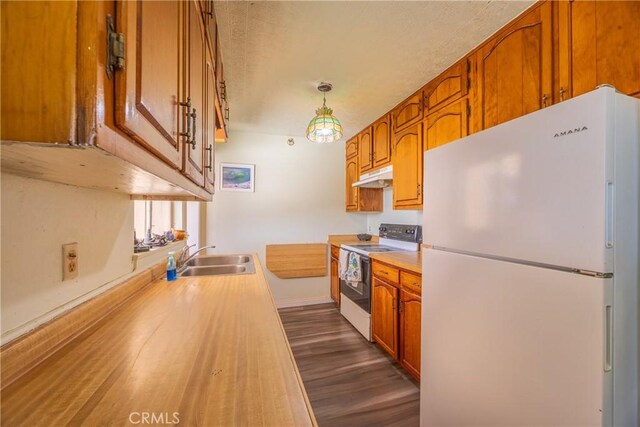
403	232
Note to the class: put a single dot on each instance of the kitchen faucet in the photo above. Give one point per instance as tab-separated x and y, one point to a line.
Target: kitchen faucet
181	262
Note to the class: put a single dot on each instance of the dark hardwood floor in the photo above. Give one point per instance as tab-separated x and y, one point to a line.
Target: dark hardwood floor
350	382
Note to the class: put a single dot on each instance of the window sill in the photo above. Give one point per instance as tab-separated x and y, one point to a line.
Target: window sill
144	260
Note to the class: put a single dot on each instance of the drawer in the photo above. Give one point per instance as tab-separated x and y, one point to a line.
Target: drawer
335	251
386	272
410	281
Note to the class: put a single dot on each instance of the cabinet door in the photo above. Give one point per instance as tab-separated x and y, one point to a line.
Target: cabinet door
407	169
335	281
384	316
195	124
446	125
381	133
365	150
351	147
222	105
410	315
599	42
449	86
148	89
210	136
515	68
39	48
408	113
351	193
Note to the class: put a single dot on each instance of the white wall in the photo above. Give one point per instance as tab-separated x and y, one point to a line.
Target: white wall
299	198
389	216
37	218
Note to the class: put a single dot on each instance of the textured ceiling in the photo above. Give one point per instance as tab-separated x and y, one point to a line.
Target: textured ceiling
375	53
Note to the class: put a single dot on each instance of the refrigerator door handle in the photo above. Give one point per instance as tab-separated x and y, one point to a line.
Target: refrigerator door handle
608	237
608	338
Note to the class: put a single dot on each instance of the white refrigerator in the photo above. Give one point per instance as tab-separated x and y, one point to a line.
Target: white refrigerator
530	270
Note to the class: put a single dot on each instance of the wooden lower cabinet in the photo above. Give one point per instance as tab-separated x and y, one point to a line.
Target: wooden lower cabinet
335	281
396	310
384	316
410	315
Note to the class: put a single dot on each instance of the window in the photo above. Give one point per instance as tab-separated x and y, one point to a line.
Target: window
158	215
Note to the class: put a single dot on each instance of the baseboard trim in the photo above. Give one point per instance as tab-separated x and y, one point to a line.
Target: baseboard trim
297	302
26	352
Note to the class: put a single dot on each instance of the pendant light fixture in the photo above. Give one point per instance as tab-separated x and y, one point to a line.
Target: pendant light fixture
324	127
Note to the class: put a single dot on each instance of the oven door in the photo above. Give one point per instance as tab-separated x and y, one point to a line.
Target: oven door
360	293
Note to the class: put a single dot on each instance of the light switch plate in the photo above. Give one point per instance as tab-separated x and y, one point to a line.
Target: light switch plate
69	261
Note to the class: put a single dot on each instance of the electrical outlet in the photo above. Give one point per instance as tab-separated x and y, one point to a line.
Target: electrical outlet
69	261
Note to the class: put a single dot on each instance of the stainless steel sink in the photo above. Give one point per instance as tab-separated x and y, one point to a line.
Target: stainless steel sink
219	260
219	265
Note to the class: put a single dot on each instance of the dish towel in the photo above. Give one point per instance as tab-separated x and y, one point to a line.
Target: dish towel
343	263
354	270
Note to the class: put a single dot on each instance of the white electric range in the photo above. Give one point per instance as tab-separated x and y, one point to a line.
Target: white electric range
355	298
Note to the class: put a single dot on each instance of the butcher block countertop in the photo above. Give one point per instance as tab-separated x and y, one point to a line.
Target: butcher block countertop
338	239
411	261
207	351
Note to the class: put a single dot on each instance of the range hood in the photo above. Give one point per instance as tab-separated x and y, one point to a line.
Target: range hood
380	178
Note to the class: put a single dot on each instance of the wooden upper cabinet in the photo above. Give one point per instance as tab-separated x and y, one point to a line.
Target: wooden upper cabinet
351	193
222	101
381	134
598	43
410	326
39	84
408	113
446	125
148	89
515	70
210	135
384	316
407	168
194	119
351	147
449	86
365	150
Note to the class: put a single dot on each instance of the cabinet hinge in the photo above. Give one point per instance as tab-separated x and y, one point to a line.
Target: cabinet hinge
115	48
468	110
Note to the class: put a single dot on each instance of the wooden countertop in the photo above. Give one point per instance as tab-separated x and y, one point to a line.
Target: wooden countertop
211	349
411	261
338	239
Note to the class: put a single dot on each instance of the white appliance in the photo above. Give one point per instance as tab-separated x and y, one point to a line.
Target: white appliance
530	271
355	298
379	178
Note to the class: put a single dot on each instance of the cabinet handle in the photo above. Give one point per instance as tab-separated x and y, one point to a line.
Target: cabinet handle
194	128
187	134
210	150
226	113
562	91
544	100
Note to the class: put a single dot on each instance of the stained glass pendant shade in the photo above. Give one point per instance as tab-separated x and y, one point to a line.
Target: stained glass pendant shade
324	127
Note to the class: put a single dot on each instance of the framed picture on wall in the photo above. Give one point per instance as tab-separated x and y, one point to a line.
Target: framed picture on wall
237	177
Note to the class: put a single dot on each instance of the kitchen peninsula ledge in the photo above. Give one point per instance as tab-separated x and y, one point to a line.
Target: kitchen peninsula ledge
411	261
211	349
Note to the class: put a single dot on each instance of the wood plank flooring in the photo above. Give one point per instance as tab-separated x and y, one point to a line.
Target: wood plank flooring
350	382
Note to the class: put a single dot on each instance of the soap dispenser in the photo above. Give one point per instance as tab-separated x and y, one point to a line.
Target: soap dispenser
171	268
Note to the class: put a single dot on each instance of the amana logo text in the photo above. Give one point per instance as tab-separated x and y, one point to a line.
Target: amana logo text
570	131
